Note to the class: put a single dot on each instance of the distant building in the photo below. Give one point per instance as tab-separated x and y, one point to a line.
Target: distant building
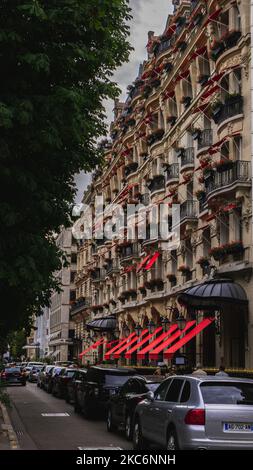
61	329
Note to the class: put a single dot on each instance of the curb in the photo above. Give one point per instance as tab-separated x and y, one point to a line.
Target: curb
7	426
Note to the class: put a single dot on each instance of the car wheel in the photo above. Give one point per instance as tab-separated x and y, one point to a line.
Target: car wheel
172	442
109	422
128	428
139	443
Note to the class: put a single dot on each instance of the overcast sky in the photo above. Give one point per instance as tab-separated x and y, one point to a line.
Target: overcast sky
148	15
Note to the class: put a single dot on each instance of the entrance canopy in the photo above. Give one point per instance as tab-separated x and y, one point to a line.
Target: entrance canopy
215	294
102	324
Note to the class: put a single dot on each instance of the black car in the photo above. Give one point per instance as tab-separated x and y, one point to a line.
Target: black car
93	391
79	376
61	380
122	405
55	371
43	376
34	373
13	376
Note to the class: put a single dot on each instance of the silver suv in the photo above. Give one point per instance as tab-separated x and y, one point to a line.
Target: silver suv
190	412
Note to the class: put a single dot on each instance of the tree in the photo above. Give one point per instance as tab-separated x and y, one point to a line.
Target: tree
57	58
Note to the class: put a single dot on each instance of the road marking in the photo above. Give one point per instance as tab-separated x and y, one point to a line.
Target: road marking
99	448
49	415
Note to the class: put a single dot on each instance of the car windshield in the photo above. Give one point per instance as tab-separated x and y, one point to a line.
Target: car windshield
12	369
232	393
69	373
153	386
116	380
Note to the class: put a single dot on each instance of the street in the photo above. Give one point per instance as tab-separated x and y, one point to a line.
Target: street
68	431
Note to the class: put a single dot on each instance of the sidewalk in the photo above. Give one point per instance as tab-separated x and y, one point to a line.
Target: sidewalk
8	438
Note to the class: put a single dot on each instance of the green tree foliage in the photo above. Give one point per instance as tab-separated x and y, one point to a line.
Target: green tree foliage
57	58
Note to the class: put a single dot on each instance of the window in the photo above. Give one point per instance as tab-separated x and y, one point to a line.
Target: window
162	390
227	393
73	257
174	390
186	392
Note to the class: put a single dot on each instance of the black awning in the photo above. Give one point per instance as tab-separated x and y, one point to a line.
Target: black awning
102	324
214	294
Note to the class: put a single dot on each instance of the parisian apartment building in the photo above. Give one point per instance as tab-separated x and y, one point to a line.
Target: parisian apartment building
60	326
183	138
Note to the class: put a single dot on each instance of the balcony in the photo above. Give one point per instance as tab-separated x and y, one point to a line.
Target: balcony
172	173
157	184
79	305
232	107
188	210
98	275
205	139
112	267
239	173
164	46
187	158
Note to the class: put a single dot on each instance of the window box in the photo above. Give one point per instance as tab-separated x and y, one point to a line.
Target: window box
203	262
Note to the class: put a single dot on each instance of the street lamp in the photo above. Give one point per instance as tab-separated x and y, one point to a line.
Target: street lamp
138	329
181	322
165	324
151	326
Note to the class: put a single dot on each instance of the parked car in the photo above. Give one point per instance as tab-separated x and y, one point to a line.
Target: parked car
13	376
92	392
122	405
61	381
79	376
198	413
55	371
43	376
34	373
32	364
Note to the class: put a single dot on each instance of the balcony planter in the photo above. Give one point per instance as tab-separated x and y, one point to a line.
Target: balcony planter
171	120
200	194
202	79
147	284
218	252
184	269
231	38
203	262
142	290
235	248
186	101
172	277
224	165
180	20
155	136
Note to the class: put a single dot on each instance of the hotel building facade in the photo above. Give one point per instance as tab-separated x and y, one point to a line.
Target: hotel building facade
182	137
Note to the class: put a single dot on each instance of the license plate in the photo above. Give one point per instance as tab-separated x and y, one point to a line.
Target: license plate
238	427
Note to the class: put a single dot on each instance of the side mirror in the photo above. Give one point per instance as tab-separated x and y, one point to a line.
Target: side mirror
150	396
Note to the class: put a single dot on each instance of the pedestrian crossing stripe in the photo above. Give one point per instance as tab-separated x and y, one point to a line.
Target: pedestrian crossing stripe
57	415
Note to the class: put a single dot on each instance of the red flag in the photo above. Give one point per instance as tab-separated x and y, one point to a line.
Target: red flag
142	263
152	260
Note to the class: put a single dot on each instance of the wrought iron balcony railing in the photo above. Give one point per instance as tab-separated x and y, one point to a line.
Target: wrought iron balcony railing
229	109
113	266
157	183
145	199
188	210
240	172
80	304
187	157
172	172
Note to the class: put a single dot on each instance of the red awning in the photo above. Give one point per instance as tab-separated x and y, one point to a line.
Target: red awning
210	92
212	17
112	343
93	346
155	353
117	354
199	52
123	341
142	263
200	327
143	341
182	75
142	352
214	79
170	30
